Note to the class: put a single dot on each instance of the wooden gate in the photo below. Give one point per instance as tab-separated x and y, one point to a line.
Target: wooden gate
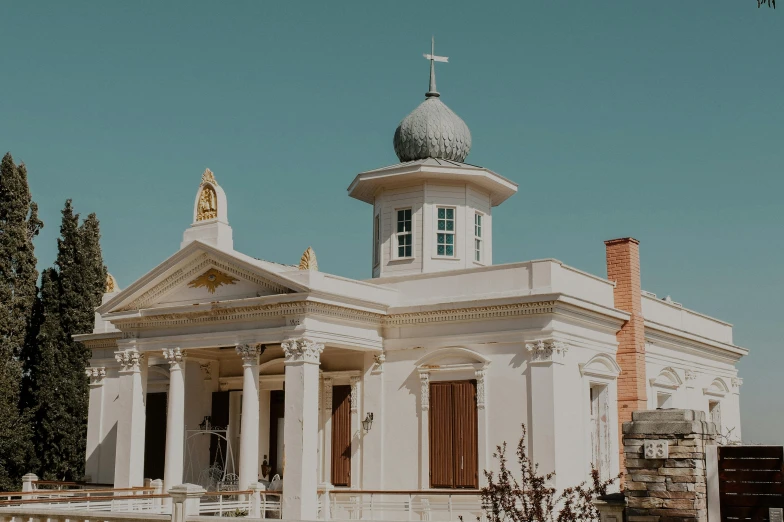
751	481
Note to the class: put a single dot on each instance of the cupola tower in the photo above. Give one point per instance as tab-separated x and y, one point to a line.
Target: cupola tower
432	211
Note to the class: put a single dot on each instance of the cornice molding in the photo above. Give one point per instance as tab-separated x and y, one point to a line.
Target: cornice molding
470	314
97	344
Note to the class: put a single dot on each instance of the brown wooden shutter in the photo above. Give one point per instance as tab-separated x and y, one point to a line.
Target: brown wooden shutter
341	436
441	427
465	434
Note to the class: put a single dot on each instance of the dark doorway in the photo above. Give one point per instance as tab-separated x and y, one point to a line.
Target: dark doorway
277	408
341	436
219	416
155	436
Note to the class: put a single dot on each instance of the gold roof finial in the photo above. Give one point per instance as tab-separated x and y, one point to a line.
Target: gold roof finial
111	284
208	176
308	260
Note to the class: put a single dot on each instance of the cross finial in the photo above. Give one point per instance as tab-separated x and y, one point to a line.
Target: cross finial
433	59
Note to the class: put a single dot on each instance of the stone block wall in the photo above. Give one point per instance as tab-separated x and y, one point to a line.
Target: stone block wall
665	465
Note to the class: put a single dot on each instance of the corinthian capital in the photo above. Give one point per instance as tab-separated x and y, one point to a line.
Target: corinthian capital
173	355
95	374
302	350
130	360
547	350
250	352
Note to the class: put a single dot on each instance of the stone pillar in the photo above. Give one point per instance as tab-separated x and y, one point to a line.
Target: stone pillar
300	432
129	456
175	420
547	393
424	429
92	466
665	463
28	482
249	429
186	499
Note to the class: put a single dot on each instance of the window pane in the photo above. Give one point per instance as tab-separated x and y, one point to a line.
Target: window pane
450	213
401	251
440	250
441	238
449	250
408	251
450	239
441	224
450	225
400	226
441	212
408	214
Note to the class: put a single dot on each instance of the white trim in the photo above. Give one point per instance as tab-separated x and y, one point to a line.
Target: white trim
717	388
668	379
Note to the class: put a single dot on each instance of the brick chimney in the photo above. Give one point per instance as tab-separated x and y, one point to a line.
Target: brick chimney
623	267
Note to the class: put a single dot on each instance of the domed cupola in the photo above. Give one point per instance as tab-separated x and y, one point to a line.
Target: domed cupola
432	130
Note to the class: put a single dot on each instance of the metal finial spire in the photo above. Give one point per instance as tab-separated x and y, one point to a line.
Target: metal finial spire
433	59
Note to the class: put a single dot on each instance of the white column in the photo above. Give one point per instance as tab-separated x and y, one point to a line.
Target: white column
327	456
424	429
249	429
92	467
356	435
546	365
373	441
300	433
129	456
175	420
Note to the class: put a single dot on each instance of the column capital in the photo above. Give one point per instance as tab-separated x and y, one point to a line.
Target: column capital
547	351
95	374
174	355
302	350
250	353
130	360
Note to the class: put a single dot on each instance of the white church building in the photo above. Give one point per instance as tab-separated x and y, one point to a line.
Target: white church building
218	368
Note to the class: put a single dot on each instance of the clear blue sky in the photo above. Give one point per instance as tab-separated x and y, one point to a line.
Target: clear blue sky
659	120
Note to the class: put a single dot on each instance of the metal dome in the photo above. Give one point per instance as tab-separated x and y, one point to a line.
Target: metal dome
432	130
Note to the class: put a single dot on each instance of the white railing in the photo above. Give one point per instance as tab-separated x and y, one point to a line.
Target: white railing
401	505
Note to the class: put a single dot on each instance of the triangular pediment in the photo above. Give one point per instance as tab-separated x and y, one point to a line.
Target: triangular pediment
200	273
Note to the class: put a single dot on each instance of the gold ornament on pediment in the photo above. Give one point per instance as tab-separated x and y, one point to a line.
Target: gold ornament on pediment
111	284
212	279
308	260
208	203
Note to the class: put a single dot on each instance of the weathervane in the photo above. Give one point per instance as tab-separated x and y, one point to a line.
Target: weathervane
433	59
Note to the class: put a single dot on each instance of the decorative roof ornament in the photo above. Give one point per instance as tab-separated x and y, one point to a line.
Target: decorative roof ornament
308	260
208	177
432	130
207	206
111	284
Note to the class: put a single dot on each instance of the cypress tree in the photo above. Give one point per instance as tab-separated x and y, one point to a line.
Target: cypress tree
19	224
58	385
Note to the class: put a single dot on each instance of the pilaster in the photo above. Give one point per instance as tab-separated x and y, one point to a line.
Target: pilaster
129	456
95	422
547	395
356	433
300	480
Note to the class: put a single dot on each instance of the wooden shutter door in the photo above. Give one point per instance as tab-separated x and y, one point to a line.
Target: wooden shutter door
441	426
465	434
341	436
